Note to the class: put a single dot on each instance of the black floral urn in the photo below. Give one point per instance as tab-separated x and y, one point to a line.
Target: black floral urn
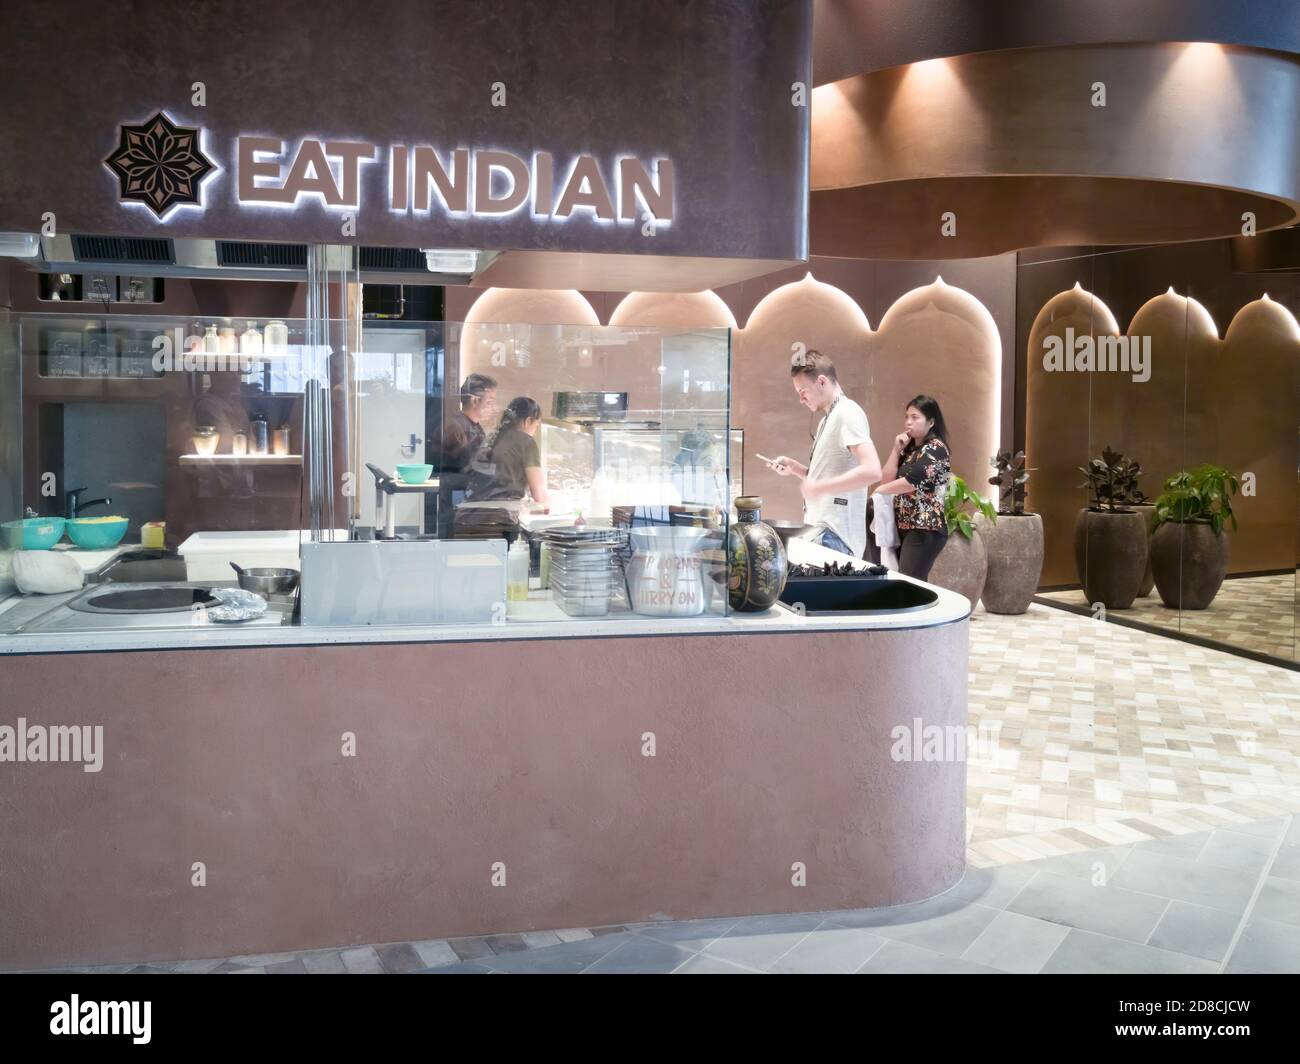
756	560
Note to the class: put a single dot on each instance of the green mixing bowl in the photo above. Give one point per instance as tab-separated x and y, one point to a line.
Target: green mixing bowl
414	474
33	533
96	534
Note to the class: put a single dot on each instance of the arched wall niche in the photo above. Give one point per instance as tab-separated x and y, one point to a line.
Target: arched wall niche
1229	402
937	339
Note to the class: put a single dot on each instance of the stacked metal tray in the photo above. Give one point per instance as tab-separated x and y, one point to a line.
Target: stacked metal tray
584	571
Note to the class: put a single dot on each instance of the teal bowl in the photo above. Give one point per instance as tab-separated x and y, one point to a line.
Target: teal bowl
99	535
33	533
414	474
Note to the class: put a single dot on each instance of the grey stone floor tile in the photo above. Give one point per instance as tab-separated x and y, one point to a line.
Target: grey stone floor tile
1087	865
1083	953
470	949
435	951
703	964
1279	901
573	934
900	958
608	929
1231	849
362	960
1286	865
1266	946
779	923
1016	943
691	934
829	950
1171	877
154	969
293	967
398	958
261	960
1292	837
569	957
638	955
1195	930
462	968
227	967
1188	847
327	962
994	887
887	915
755	950
949	933
197	967
1106	910
539	939
248	971
1267	829
506	943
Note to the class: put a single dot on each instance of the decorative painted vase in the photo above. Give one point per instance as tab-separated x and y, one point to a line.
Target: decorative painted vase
756	560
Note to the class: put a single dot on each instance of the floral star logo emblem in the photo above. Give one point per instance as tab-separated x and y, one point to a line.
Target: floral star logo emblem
159	164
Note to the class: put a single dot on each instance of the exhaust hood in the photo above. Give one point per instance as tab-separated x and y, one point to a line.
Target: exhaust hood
250	260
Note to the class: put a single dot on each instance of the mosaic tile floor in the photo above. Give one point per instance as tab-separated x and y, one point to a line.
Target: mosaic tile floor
1254	613
1109	735
1103	739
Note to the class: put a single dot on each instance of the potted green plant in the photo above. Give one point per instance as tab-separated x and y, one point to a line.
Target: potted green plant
1189	549
1014	543
963	564
1110	537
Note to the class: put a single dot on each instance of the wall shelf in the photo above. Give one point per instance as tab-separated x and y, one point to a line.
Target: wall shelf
242	459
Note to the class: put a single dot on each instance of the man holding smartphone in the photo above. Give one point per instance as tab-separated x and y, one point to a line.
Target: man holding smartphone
843	463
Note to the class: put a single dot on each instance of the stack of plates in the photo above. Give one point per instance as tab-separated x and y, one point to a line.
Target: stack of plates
582	569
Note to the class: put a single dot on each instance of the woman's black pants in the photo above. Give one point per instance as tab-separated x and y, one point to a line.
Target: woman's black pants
918	548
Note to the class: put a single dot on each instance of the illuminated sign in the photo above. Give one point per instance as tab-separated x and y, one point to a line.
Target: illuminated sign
163	166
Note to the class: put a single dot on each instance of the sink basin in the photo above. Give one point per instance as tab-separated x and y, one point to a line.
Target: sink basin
840	595
136	600
141	566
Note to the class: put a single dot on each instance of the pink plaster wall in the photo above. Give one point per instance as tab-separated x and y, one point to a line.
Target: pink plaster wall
771	749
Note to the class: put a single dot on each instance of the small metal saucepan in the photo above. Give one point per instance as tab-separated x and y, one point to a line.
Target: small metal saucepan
266	581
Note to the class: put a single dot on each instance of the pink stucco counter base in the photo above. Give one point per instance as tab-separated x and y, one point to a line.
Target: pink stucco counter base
494	787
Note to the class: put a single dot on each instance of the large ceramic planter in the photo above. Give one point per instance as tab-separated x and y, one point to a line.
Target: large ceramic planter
1148	512
1110	555
1014	545
1189	562
962	566
756	560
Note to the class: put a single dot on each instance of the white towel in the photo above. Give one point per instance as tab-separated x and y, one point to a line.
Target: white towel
884	529
46	572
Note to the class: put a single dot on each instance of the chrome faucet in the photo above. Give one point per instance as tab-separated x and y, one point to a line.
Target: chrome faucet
75	505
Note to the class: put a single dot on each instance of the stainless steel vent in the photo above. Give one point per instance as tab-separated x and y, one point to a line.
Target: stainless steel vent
267	256
142	250
404	260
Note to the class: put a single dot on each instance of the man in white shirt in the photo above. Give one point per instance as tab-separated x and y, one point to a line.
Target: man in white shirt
843	463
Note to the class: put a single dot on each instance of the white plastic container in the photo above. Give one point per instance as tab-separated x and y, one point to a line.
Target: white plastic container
208	554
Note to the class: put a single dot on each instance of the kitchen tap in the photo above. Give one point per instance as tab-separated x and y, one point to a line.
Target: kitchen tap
75	505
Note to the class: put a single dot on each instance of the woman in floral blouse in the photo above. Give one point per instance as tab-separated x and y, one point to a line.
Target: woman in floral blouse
916	474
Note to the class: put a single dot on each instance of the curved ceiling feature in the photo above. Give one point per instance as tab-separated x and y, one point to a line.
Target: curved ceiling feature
1012	151
667	310
858	36
536	306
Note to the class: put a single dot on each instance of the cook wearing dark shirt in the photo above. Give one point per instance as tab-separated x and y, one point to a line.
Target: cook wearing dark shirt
505	470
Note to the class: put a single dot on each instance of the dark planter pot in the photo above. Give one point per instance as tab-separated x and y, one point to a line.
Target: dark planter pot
1148	511
962	566
756	559
1014	545
1110	555
1189	562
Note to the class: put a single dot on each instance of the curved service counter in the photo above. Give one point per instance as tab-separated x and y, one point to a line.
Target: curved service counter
294	792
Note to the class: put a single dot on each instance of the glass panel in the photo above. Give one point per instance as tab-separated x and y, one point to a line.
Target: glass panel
606	454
